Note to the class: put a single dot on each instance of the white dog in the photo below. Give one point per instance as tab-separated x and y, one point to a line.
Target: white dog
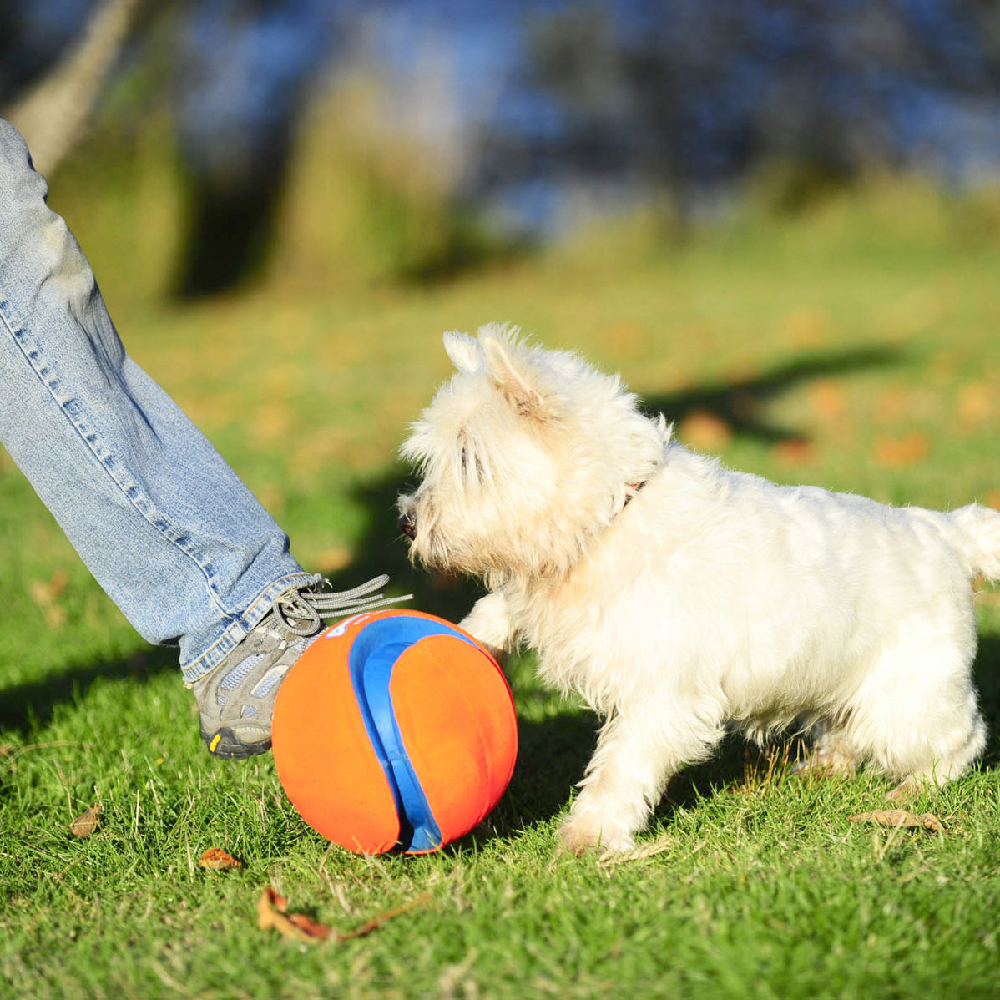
676	595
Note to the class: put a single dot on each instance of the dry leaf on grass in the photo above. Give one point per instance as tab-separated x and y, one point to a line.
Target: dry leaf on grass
332	560
86	823
272	911
828	399
900	817
46	592
900	452
976	403
705	431
46	595
217	860
794	451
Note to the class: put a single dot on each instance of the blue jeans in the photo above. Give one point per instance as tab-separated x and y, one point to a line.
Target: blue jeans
164	524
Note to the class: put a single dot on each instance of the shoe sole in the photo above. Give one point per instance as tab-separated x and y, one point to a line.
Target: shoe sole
226	745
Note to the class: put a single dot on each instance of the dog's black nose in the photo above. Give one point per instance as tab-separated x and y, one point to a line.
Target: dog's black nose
408	525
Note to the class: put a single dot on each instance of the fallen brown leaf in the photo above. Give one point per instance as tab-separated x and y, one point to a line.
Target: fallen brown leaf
705	431
384	917
312	930
86	823
46	595
794	451
272	911
45	592
828	399
332	560
976	404
900	817
894	403
898	452
216	859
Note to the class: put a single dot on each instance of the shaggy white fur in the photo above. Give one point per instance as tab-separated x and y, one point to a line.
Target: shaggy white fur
677	595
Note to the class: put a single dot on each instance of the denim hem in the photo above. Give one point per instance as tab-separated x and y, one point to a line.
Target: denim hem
239	630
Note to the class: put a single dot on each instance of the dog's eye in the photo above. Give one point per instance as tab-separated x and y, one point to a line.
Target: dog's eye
472	469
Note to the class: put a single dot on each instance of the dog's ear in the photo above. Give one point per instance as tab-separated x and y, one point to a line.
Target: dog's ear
463	351
513	375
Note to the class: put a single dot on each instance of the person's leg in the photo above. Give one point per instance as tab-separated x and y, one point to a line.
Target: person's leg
166	527
164	524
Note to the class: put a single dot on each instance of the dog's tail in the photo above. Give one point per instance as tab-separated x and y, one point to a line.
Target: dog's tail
977	537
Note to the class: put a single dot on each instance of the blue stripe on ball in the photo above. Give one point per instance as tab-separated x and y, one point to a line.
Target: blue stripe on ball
418	830
374	653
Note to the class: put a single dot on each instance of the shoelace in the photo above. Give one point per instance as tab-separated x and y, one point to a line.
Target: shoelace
303	611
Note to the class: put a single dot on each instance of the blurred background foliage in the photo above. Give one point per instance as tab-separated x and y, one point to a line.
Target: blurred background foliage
324	143
773	216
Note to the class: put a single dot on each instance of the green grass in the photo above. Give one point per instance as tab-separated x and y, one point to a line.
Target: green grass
855	346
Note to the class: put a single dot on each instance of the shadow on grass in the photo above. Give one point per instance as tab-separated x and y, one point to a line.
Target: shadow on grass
554	754
28	707
741	403
986	676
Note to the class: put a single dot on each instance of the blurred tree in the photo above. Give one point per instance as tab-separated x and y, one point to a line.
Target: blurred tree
32	35
52	108
691	94
243	73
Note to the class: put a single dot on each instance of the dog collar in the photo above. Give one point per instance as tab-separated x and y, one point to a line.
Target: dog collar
635	488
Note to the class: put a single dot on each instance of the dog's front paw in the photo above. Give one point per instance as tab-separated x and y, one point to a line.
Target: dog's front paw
580	834
489	624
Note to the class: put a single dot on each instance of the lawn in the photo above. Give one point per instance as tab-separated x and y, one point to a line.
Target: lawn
853	346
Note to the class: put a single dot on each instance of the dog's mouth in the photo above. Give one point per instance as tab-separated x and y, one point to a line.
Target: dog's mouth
408	525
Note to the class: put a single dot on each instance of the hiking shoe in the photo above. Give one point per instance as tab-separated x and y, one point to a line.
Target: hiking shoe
236	698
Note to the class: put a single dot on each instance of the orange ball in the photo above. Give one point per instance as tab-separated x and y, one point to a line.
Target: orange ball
395	729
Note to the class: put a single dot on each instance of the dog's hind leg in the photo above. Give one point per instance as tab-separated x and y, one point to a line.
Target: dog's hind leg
916	716
639	749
